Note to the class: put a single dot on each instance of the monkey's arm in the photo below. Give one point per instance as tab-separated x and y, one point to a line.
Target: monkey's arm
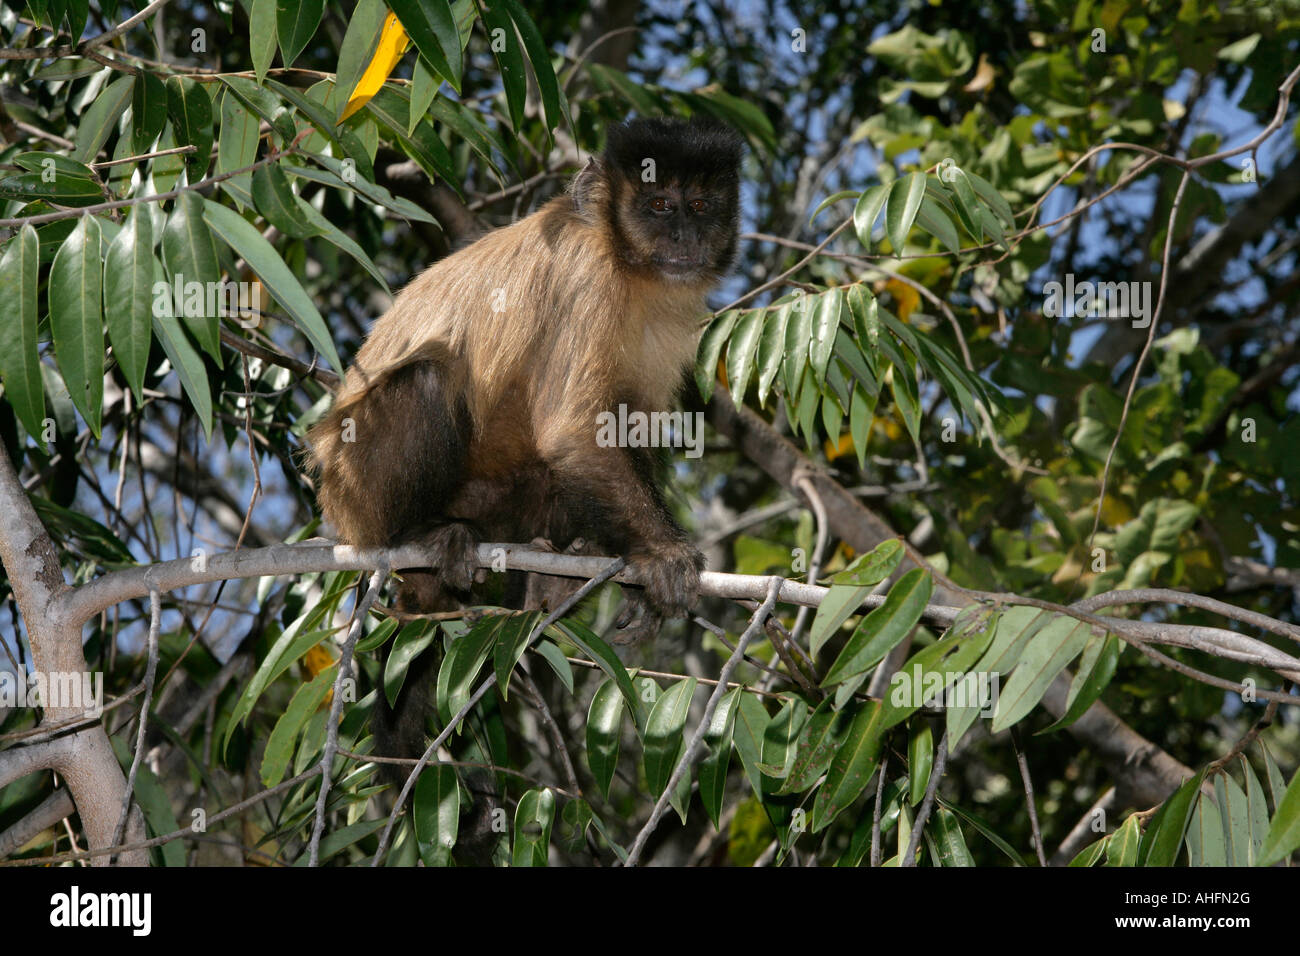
616	485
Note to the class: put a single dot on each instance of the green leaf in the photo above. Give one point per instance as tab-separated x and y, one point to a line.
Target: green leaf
237	147
393	110
276	201
884	628
509	55
935	221
819	741
851	768
555	657
128	298
184	358
539	57
148	110
296	22
905	197
740	352
949	845
949	658
1096	668
262	35
280	745
968	210
604	657
100	118
436	813
411	641
1284	832
604	721
1164	834
20	363
920	759
873	567
993	199
77	318
831	200
512	640
711	342
712	770
432	29
336	841
825	325
190	109
461	665
1048	653
867	211
275	275
750	728
1205	835
1122	848
191	257
798	334
771	348
533	819
663	735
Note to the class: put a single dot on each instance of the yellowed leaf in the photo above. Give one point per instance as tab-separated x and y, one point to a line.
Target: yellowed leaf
393	42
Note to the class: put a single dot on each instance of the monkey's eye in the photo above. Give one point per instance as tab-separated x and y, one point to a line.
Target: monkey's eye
660	204
698	205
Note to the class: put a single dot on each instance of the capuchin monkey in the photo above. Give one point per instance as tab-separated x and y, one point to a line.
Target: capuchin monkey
470	413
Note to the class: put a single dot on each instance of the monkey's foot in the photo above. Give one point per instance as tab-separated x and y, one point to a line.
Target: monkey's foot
457	547
637	622
671	577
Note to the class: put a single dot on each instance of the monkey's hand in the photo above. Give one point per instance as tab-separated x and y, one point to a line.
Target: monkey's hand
457	547
670	573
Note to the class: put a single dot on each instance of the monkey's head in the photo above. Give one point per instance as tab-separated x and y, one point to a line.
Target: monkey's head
674	196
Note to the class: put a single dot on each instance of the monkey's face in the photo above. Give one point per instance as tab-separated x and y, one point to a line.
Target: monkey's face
675	196
683	230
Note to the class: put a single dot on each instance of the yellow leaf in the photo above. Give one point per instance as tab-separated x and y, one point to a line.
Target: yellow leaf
839	447
316	660
393	42
905	296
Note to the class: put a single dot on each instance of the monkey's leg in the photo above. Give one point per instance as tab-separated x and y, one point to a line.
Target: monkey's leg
623	507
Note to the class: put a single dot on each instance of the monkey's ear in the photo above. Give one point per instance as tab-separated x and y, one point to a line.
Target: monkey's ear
587	186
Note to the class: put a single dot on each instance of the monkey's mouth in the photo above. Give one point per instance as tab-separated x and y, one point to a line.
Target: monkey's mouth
679	266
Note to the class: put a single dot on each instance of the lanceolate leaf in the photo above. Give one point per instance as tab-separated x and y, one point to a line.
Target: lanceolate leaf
183	357
539	55
77	318
867	211
663	736
905	197
262	35
20	365
851	768
533	819
436	812
148	110
825	325
711	342
191	260
432	29
604	720
1046	656
740	351
771	348
128	297
296	21
712	770
884	628
1284	833
280	745
275	275
190	109
505	46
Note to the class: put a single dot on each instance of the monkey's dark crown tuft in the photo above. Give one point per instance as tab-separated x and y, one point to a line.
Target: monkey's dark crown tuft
700	149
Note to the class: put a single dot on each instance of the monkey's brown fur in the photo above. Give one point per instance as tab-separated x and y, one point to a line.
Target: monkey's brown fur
470	413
